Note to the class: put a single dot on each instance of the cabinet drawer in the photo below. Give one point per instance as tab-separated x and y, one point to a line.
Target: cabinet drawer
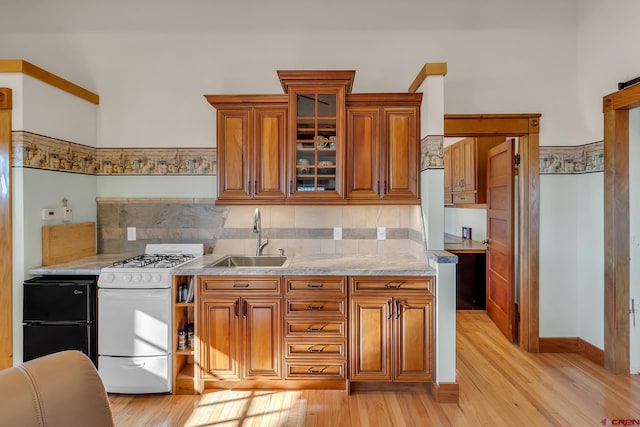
309	307
315	285
448	198
387	285
240	284
313	328
321	370
464	197
315	349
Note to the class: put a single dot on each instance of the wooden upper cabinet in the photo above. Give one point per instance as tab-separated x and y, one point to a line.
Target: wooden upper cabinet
402	153
363	153
317	132
318	143
383	148
251	142
467	169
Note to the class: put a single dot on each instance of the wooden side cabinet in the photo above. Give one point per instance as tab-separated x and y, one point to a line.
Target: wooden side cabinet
391	329
240	327
466	168
251	137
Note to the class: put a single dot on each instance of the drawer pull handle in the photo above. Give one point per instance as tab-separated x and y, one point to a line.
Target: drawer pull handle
316	371
310	307
312	328
315	285
392	285
316	350
240	285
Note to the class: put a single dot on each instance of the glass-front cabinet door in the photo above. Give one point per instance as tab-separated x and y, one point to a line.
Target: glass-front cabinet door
317	142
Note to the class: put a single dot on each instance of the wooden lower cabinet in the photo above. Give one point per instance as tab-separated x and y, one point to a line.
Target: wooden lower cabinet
316	330
240	331
392	334
313	334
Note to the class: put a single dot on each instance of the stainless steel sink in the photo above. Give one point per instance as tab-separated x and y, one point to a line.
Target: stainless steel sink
250	261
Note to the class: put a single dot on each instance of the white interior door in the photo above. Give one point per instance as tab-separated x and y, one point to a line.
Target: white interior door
634	240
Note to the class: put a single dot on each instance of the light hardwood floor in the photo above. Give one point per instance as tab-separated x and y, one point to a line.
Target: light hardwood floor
500	385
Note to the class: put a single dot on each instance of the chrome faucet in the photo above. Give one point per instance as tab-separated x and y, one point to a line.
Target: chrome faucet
257	228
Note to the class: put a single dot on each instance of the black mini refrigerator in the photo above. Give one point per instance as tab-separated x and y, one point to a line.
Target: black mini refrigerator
59	313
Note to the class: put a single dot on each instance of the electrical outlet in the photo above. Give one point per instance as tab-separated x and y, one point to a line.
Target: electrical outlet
337	233
131	234
48	214
67	214
382	233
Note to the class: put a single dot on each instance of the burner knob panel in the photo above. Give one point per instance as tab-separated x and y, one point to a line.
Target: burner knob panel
107	277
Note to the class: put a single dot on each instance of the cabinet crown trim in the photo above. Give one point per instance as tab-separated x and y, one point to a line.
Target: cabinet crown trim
316	77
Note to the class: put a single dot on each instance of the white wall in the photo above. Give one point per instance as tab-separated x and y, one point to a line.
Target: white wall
558	255
158	186
589	218
608	35
33	190
456	218
55	113
45	110
151	85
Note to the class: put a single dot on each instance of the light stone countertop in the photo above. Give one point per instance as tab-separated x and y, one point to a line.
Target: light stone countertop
85	266
325	265
339	265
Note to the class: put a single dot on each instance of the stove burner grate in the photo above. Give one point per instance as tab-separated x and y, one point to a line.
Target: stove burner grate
153	260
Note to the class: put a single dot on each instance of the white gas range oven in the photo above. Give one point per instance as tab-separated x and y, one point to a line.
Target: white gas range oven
134	319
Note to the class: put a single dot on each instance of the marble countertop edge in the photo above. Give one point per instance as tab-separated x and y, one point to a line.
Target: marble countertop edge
338	265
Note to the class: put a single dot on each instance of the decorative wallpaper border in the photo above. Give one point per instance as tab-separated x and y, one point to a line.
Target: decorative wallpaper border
41	152
572	160
431	152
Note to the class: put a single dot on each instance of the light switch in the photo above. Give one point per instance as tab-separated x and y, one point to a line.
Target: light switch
382	233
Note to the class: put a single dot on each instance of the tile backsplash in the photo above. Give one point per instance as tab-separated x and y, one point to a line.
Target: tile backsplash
228	229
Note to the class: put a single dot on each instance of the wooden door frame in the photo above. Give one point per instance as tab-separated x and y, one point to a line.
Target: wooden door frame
615	107
527	128
6	247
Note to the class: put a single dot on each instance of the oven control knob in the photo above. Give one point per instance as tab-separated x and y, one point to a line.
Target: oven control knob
107	277
146	278
156	278
137	277
126	278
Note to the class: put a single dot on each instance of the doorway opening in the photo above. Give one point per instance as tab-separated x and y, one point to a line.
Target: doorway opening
526	128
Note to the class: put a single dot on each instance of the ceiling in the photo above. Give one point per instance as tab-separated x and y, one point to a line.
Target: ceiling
65	16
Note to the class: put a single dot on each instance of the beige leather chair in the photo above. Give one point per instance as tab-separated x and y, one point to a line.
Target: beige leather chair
58	390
